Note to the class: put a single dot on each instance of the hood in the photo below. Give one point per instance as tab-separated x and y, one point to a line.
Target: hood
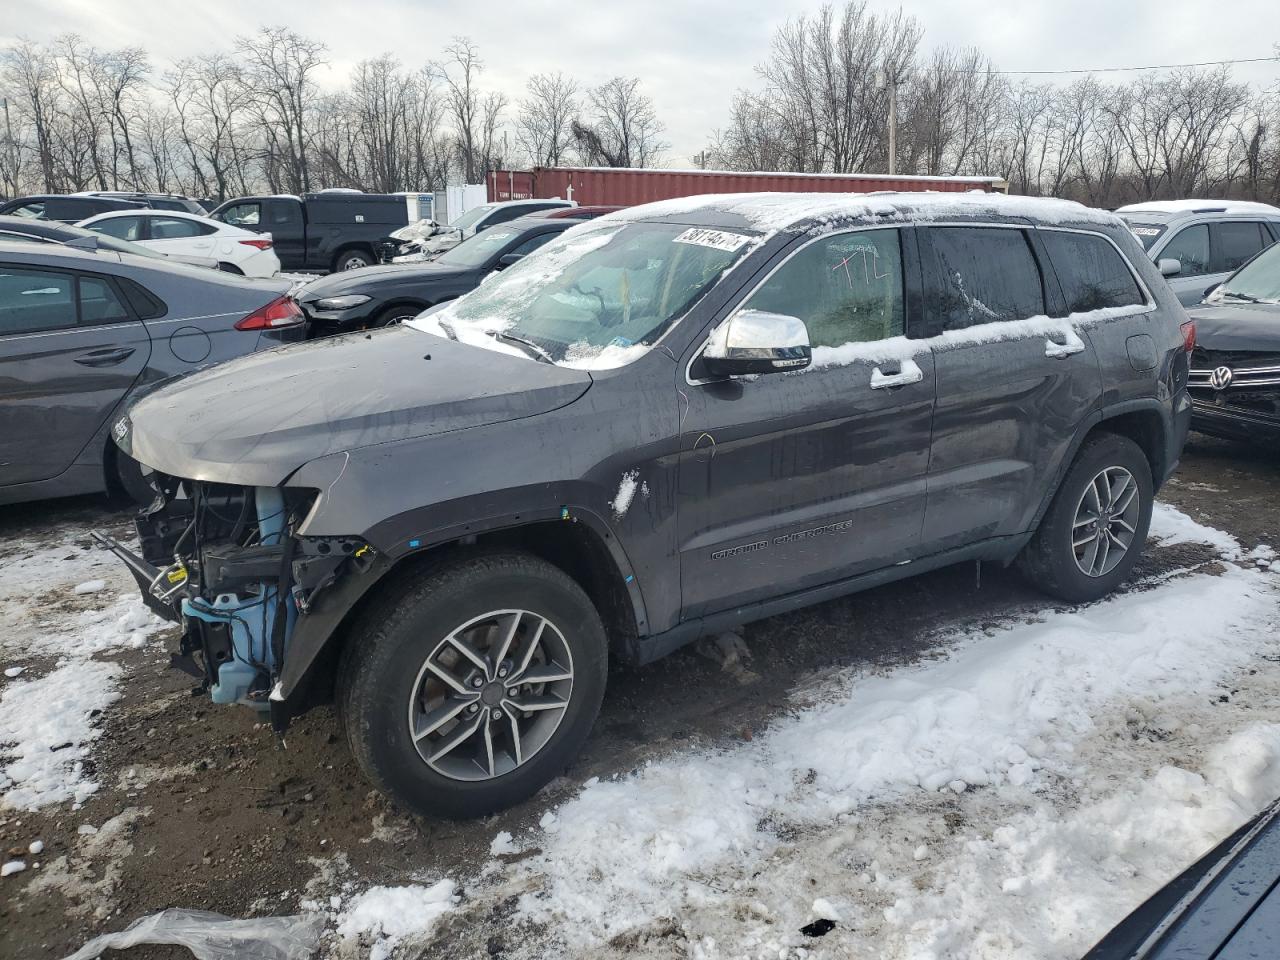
256	419
1237	326
372	278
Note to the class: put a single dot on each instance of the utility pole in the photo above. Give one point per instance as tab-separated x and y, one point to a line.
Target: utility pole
13	147
893	122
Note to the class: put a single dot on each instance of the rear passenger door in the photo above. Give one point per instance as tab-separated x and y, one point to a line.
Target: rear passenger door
177	236
1009	396
1234	243
69	351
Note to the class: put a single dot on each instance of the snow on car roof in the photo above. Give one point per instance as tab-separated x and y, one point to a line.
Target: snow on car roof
769	212
1194	206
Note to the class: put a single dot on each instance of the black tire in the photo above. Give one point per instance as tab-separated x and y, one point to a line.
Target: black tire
397	314
352	260
230	268
129	481
385	653
1049	561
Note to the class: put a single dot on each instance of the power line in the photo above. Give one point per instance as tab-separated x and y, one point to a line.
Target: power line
1155	66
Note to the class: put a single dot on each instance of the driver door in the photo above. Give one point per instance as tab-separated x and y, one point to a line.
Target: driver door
794	480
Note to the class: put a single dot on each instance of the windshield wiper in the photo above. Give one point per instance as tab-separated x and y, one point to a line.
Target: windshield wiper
1240	296
531	348
447	327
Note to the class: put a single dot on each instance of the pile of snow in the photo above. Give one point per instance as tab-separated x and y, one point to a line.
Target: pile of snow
388	915
45	728
1170	526
712	837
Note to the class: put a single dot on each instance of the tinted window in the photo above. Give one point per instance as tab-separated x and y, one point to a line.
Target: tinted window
122	228
532	244
99	303
34	300
504	214
242	214
32	211
1093	275
847	288
1239	242
169	205
283	211
1190	246
984	275
172	228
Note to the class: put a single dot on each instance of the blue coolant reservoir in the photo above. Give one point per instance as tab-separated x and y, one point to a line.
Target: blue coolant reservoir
250	618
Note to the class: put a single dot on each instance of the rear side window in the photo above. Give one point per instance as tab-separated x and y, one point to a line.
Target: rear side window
1092	273
983	275
242	214
33	300
1238	242
533	243
175	228
99	303
1190	247
847	288
122	228
145	303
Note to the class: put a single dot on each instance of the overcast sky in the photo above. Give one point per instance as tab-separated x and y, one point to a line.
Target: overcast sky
690	54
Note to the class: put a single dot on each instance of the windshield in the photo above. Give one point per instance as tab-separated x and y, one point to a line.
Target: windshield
476	251
1145	231
469	219
596	296
1258	281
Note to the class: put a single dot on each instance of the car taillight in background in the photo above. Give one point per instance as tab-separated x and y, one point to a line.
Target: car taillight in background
260	244
1189	335
281	312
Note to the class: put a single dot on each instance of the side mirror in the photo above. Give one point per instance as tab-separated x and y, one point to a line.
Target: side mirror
507	259
1169	266
754	341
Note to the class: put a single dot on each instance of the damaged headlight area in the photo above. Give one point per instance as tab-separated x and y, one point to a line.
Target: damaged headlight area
227	564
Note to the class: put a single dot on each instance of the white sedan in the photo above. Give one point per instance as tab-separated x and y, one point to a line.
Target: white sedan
235	249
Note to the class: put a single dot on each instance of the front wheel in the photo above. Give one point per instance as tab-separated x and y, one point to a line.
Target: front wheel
470	688
1096	527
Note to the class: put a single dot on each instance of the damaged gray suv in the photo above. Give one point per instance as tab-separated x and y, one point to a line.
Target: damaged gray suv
667	422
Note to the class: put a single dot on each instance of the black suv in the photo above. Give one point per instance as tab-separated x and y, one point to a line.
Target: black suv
666	422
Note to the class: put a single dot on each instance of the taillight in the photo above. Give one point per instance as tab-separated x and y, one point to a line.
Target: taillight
281	312
260	244
1189	335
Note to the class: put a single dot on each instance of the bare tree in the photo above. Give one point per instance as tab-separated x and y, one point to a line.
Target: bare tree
623	129
279	69
544	129
461	75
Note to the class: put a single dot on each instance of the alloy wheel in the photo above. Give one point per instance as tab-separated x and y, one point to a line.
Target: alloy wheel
1106	521
490	695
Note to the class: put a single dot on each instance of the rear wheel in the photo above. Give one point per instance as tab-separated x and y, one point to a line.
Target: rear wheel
470	688
1095	529
352	260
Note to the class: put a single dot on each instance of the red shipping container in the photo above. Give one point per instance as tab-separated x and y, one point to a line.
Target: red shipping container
612	186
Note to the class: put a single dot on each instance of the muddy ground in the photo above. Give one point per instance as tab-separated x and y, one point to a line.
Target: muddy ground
201	807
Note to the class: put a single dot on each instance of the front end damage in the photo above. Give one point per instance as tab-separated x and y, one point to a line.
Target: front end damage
226	563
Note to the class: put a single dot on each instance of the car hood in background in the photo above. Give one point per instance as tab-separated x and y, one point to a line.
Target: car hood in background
255	420
375	278
1237	326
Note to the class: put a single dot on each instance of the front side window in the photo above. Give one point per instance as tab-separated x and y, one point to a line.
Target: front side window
1190	247
34	300
175	228
596	287
122	228
242	215
847	288
1092	273
983	275
1239	242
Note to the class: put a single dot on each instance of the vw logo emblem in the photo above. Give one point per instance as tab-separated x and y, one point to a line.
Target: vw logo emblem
1220	379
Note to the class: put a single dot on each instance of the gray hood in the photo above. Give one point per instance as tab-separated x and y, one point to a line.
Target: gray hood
1237	326
255	420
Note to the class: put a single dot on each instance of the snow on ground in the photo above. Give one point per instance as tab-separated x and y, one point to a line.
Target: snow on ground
387	915
1014	799
47	722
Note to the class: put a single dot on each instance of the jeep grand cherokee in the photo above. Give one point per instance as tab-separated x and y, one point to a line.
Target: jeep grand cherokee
669	421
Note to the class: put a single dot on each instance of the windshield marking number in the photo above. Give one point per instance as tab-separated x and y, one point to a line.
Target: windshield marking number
717	239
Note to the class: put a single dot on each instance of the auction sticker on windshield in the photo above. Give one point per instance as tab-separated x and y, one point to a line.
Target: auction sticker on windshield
719	239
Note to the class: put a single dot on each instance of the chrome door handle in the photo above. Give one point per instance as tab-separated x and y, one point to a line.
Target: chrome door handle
1071	344
909	372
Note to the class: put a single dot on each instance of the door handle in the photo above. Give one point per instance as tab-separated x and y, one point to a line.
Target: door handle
1071	344
908	372
105	358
